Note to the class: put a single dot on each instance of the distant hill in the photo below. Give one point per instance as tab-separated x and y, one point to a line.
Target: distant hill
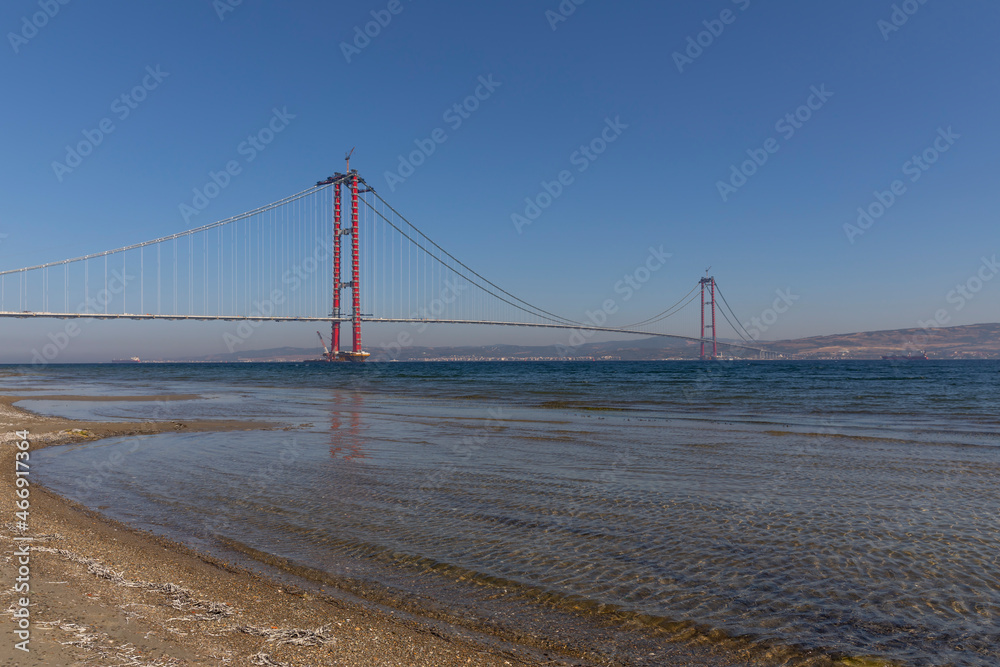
974	341
971	341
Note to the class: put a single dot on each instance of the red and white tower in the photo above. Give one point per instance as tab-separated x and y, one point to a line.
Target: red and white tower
337	287
349	180
356	353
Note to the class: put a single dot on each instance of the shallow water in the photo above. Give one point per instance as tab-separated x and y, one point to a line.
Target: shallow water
846	507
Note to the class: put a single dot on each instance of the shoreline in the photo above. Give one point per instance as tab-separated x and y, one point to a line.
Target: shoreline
103	590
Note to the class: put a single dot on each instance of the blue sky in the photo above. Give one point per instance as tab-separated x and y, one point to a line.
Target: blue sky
889	91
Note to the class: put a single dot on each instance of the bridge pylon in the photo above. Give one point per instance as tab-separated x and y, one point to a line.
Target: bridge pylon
710	282
337	286
350	181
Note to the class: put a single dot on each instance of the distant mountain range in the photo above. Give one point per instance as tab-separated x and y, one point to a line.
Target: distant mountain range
974	341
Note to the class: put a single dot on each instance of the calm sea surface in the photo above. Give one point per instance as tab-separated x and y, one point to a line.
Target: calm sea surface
849	508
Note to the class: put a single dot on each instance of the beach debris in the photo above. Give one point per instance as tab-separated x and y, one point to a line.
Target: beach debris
266	660
180	598
47	537
293	636
125	655
12	527
13	606
212	611
83	638
16	529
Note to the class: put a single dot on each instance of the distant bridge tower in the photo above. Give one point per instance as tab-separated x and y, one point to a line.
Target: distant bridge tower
710	282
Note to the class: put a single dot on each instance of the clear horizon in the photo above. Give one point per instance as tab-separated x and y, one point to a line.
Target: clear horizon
831	164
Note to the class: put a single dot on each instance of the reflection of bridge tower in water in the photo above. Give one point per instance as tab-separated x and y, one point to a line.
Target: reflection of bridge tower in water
345	434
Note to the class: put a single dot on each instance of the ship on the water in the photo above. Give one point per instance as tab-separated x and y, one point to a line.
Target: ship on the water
130	360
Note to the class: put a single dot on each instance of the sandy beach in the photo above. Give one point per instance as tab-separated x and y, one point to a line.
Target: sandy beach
102	593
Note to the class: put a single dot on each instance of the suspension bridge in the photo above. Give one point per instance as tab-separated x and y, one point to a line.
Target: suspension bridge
293	261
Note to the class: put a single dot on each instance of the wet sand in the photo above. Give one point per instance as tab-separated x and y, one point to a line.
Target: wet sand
103	593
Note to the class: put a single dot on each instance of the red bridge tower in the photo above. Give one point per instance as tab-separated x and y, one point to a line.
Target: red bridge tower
350	181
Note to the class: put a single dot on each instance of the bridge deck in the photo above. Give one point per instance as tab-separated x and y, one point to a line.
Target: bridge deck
263	318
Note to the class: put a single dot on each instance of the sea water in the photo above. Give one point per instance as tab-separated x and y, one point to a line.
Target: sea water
842	508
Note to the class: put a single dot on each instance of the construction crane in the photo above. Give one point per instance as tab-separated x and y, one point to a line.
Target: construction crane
326	352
